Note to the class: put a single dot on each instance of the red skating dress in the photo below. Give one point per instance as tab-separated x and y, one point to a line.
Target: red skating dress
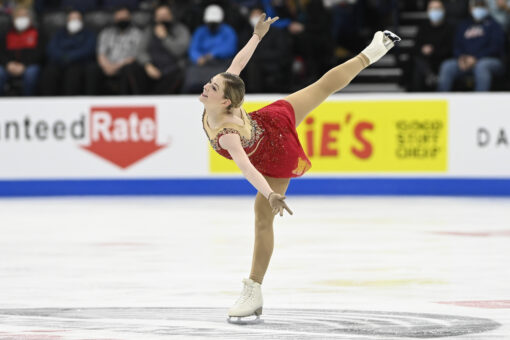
269	138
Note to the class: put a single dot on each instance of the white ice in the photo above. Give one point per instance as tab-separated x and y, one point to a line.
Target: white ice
357	256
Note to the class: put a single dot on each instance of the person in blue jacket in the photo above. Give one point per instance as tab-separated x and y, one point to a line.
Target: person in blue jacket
69	53
214	40
213	45
479	49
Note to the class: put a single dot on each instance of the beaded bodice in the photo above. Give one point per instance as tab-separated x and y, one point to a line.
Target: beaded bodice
268	137
250	133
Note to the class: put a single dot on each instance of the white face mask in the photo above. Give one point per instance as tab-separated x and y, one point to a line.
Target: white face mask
254	20
22	23
74	26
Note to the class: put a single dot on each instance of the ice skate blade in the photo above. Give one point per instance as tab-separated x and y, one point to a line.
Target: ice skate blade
245	320
392	36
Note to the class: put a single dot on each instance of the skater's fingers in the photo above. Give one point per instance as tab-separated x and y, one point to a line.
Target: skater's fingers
262	17
288	209
274	19
281	211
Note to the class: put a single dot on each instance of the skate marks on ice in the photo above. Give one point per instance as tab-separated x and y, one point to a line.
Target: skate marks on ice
211	322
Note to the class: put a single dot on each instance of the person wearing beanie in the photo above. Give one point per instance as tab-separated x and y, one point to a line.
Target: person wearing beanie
212	47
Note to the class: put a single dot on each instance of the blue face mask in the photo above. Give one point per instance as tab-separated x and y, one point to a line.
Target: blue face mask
436	15
479	13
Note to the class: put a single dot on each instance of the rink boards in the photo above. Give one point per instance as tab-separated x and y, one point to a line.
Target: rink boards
456	144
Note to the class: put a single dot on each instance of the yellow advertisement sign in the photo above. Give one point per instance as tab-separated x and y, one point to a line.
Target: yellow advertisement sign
372	136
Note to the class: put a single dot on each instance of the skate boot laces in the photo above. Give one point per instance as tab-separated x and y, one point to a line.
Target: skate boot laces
246	293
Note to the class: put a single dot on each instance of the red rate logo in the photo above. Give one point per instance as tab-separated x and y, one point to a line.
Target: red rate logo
123	135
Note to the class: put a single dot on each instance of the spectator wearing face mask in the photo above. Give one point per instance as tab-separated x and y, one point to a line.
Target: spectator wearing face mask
212	47
479	49
117	49
163	55
20	53
69	52
269	67
433	45
214	40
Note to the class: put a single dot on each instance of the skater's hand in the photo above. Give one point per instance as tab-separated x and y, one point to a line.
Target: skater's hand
262	26
276	201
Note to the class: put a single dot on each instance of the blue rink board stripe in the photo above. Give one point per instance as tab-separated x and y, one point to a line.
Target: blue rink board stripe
238	186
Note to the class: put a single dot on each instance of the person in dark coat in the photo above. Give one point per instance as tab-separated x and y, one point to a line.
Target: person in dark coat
69	52
479	49
269	68
164	53
433	45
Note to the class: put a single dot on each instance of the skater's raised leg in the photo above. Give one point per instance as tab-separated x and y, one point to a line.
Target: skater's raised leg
307	99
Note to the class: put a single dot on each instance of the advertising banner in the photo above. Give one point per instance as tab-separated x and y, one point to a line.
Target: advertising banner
101	138
358	144
480	136
369	136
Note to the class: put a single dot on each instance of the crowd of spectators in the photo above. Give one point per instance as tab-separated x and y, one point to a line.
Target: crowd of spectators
94	47
105	47
463	46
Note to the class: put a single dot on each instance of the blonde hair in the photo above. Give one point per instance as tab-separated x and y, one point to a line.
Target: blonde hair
234	89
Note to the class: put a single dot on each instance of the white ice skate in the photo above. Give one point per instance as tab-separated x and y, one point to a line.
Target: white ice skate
248	305
380	45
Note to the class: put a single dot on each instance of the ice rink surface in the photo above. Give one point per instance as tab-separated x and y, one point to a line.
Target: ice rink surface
342	268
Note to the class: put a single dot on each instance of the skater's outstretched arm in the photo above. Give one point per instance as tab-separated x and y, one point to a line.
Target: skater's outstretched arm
232	143
244	55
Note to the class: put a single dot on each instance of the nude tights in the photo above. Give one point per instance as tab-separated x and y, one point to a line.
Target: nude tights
303	102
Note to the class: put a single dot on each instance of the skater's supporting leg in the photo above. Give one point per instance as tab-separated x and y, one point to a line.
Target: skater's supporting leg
264	236
307	99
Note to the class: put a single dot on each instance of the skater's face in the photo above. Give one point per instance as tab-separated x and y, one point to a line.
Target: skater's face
213	95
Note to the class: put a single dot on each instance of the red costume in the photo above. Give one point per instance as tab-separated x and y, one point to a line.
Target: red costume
269	138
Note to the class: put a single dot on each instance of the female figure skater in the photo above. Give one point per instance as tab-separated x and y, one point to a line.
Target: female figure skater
265	146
